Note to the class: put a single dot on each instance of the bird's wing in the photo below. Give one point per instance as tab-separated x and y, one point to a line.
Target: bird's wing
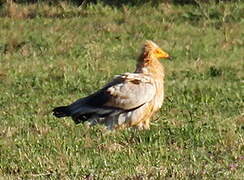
131	91
126	92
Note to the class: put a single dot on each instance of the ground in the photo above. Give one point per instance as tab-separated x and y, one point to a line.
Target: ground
52	55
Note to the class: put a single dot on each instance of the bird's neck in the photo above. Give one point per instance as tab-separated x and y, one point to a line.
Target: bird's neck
148	64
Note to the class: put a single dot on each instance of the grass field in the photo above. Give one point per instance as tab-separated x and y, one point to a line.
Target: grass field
52	55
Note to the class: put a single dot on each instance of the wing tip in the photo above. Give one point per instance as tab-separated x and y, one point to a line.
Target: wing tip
61	111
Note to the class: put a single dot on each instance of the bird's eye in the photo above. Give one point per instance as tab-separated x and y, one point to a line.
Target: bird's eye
157	51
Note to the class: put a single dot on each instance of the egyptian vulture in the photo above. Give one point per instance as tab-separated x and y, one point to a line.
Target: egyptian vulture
129	100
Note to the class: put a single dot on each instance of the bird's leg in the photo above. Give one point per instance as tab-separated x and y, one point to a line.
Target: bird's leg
143	125
146	124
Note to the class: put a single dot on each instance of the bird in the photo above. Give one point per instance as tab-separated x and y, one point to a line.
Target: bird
129	100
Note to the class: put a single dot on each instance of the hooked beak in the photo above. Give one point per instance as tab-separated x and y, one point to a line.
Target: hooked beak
161	54
170	58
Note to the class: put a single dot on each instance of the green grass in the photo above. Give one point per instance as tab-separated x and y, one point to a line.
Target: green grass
50	56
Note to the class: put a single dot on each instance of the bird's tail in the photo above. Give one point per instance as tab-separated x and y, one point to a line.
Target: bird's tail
61	111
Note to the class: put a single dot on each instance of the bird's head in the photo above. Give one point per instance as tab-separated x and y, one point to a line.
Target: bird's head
148	59
153	50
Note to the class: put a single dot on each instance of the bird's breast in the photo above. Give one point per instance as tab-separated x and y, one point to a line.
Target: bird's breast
159	96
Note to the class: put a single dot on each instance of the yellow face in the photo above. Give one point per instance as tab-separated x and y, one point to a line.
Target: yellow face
159	53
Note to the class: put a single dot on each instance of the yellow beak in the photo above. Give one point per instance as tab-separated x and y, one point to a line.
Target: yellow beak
161	54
